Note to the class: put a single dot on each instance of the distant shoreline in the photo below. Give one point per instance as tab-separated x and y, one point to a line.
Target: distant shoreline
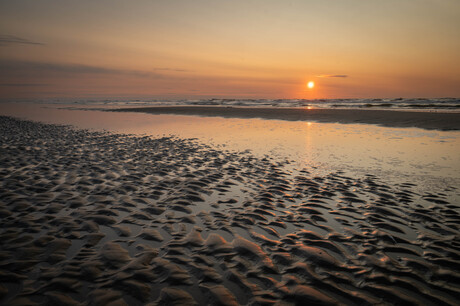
424	120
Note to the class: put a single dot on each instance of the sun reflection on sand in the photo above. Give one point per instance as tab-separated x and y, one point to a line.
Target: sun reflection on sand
324	146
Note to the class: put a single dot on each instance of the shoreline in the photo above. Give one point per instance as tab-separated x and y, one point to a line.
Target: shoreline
424	120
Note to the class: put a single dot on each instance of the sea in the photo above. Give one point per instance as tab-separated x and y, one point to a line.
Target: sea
420	104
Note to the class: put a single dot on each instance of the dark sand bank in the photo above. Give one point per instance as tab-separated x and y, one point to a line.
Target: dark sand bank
97	218
425	120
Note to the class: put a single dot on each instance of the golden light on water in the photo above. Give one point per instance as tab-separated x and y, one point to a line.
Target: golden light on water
311	84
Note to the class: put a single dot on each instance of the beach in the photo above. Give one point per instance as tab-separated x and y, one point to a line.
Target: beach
223	153
98	217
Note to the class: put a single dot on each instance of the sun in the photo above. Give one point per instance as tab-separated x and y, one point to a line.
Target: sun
311	84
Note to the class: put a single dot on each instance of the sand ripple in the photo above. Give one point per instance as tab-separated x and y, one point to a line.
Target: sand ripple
96	218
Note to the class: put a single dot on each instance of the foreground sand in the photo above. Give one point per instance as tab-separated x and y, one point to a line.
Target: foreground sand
425	120
99	218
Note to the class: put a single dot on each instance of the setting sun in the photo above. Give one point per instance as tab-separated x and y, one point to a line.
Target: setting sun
311	84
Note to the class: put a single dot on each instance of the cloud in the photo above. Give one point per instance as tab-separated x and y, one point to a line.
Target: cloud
333	76
55	69
171	69
21	84
6	40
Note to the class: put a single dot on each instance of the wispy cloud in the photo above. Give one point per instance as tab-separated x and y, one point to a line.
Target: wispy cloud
21	84
333	76
171	69
57	69
6	40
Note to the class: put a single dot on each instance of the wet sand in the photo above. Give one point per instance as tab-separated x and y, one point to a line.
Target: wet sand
425	120
99	218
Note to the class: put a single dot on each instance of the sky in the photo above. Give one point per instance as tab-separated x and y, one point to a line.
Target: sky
182	49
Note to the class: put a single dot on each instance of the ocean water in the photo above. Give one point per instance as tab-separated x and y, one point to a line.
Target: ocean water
420	104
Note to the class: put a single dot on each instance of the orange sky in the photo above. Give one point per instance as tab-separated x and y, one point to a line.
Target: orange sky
233	49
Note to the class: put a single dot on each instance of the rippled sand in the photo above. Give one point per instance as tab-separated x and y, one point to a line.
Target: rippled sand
99	218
